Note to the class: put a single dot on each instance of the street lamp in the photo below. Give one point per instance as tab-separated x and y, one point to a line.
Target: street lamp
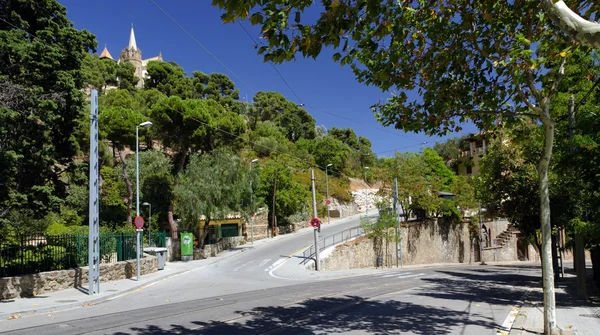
149	221
327	191
137	188
252	202
366	191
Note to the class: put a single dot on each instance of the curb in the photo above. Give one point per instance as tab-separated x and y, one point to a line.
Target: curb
109	296
94	301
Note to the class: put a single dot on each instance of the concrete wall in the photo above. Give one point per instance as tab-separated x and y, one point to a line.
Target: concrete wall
35	284
422	243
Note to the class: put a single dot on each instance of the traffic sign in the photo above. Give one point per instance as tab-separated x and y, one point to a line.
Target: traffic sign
139	222
328	201
315	223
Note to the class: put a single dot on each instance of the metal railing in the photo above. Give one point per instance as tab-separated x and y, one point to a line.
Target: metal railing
343	236
39	253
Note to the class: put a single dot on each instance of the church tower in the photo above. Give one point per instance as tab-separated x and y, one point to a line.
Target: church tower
132	54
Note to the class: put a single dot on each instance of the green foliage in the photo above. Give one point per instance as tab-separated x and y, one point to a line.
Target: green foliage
381	229
112	207
168	78
438	168
41	54
212	186
295	123
291	195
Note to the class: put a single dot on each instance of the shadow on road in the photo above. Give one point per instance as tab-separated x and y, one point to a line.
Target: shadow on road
333	315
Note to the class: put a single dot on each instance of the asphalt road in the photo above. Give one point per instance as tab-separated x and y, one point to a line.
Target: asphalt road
245	295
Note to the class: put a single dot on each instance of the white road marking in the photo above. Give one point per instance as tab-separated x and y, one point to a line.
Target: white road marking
510	318
264	262
395	274
274	265
243	266
411	276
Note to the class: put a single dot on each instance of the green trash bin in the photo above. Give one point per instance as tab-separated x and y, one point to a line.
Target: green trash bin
187	246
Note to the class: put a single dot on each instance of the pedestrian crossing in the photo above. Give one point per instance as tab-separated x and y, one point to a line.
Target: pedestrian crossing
399	275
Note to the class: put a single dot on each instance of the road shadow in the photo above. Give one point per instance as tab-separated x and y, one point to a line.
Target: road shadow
333	315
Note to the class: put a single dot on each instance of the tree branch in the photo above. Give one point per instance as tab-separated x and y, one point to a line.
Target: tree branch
581	30
559	77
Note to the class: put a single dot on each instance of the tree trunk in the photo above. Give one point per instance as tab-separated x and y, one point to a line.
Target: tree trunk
204	233
128	183
546	252
172	223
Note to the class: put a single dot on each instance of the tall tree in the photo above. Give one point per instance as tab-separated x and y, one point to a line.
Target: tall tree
193	125
212	186
41	55
296	123
118	125
220	88
466	60
578	28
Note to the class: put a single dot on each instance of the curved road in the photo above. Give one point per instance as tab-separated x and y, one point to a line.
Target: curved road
264	291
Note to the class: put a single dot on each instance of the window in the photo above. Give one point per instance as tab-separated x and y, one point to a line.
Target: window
469	169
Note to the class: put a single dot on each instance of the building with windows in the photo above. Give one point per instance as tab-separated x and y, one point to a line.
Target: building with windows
471	150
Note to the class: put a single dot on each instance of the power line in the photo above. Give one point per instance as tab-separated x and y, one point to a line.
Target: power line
200	44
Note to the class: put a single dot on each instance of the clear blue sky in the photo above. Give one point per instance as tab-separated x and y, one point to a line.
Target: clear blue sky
322	85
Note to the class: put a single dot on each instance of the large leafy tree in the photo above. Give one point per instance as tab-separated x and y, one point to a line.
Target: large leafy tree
465	60
41	55
193	125
580	29
220	88
295	122
212	186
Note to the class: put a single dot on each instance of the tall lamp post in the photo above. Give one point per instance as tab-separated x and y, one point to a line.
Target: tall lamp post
366	191
252	202
137	188
327	191
149	222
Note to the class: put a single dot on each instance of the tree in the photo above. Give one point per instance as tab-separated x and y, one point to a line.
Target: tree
118	125
578	28
212	187
169	78
193	125
295	122
466	60
41	55
449	151
156	181
220	88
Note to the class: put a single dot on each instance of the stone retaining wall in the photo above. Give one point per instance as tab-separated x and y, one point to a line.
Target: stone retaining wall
422	243
38	283
211	250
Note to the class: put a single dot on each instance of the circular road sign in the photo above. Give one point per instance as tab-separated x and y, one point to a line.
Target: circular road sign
315	223
328	201
139	222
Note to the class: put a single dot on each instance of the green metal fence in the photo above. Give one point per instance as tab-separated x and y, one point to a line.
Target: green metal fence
35	254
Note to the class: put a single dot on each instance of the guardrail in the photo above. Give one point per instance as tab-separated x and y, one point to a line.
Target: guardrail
309	254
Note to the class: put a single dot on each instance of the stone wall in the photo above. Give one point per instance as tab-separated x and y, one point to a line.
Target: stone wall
345	208
506	253
422	243
261	228
211	250
38	283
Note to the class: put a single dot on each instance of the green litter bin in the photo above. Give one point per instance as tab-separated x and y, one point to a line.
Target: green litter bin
187	246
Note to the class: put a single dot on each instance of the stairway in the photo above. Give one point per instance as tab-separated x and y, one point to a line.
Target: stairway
506	235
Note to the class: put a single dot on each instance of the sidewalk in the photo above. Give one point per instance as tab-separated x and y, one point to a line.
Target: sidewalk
77	297
574	316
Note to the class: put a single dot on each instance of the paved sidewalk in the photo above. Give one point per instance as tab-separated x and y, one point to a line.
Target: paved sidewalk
77	297
574	316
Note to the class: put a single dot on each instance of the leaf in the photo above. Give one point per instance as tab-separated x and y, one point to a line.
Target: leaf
336	56
563	54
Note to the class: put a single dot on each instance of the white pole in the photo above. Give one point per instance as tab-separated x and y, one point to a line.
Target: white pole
137	198
327	195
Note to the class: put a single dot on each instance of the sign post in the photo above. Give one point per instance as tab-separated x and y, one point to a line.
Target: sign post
315	222
139	224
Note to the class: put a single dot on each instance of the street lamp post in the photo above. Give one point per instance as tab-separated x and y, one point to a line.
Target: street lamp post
149	222
137	188
327	191
481	237
366	192
252	203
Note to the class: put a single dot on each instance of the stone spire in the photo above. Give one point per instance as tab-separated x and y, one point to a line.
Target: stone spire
132	44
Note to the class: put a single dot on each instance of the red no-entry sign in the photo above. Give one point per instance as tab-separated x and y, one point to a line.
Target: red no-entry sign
315	222
139	222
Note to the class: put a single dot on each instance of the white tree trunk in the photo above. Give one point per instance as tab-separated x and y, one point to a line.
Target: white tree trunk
546	252
581	30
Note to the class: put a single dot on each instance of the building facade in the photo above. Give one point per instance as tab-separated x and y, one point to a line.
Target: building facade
133	55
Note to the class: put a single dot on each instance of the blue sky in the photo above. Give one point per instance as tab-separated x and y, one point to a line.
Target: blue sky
325	87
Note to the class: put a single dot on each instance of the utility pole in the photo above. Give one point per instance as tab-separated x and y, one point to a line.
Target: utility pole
399	229
579	242
327	193
94	203
252	200
481	237
366	192
318	258
273	219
